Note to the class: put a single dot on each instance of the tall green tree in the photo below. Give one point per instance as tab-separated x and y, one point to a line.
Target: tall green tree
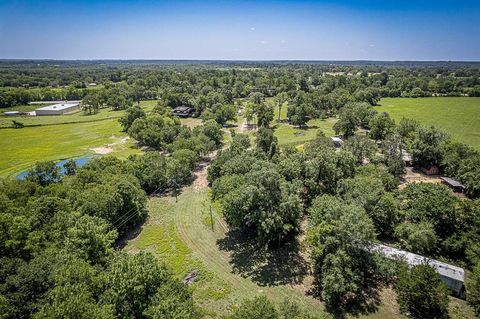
132	113
473	288
421	293
258	307
381	126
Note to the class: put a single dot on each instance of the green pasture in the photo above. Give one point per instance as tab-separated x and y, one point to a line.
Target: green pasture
458	116
21	148
288	134
49	139
76	117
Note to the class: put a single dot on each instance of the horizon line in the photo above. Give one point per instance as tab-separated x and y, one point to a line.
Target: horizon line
235	60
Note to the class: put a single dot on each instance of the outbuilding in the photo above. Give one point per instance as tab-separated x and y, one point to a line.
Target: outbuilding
453	184
407	159
12	113
57	109
452	276
430	169
337	141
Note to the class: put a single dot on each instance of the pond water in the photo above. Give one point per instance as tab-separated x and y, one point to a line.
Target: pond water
79	161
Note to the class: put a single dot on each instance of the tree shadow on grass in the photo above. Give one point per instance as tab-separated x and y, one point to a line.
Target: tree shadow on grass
364	303
265	266
130	234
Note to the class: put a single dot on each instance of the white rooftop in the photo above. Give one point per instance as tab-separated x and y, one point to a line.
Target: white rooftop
412	259
56	107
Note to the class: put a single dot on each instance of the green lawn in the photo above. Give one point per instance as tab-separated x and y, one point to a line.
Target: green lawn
80	116
48	139
458	116
23	147
287	134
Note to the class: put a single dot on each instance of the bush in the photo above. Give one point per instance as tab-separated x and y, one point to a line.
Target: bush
256	308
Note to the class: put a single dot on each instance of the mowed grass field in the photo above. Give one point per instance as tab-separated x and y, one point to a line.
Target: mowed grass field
74	117
49	139
288	134
458	116
21	148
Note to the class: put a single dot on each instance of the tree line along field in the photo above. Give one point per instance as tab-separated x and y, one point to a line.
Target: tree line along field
458	116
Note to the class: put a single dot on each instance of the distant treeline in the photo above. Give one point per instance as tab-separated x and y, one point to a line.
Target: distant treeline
187	81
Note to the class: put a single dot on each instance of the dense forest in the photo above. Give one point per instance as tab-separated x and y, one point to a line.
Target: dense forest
60	232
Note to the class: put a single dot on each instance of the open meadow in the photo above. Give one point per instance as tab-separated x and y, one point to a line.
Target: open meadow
59	137
458	116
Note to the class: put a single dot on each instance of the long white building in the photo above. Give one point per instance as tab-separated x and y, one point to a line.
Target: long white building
57	109
452	276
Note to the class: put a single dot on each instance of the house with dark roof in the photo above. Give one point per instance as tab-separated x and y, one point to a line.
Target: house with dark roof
183	111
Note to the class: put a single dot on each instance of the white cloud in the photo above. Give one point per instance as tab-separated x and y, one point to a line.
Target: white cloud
252	29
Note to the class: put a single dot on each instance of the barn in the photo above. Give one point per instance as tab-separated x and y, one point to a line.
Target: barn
12	113
57	109
452	276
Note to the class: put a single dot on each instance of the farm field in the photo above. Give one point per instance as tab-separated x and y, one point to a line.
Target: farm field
230	269
21	148
458	116
76	117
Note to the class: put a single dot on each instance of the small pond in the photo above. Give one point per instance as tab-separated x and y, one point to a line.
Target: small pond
79	161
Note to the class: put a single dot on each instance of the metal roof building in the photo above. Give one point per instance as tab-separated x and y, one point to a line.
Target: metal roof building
407	159
452	276
337	141
183	111
57	109
11	113
456	186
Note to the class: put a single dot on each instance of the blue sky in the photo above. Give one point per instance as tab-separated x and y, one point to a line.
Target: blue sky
250	30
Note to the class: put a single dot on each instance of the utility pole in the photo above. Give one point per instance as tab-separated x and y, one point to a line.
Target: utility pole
211	216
